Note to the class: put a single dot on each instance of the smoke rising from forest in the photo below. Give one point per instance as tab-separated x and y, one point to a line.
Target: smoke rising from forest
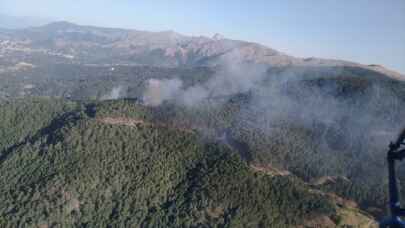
340	115
116	93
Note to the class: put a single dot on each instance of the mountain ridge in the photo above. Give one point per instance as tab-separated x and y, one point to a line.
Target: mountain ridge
164	48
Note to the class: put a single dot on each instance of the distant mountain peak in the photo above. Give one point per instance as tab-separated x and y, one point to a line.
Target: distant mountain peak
386	71
61	25
164	48
218	36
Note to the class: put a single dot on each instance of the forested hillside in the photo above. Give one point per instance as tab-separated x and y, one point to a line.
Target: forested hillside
114	163
117	127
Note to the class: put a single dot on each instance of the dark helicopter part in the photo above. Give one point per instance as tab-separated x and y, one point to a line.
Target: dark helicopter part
395	153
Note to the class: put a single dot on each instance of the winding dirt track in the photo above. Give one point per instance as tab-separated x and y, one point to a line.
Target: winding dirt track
122	121
131	122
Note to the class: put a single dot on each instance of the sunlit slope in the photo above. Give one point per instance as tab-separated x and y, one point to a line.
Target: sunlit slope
86	171
21	119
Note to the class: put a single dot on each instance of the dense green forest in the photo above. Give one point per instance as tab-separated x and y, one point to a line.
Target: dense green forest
103	127
317	133
33	115
86	164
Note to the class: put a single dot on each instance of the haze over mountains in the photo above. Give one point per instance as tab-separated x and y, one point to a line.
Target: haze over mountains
94	45
13	22
106	126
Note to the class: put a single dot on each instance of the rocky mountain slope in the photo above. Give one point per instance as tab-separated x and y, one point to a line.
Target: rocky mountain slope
94	45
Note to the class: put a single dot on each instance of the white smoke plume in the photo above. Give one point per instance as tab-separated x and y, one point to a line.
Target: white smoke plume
333	120
270	102
158	91
228	81
116	93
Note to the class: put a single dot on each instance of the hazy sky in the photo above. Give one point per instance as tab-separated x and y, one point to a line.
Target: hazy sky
366	31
